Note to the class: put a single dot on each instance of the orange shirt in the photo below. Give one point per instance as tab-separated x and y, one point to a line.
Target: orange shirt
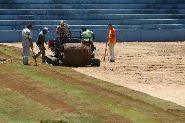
112	32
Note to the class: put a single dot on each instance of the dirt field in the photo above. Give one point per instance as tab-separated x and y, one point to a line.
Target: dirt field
155	68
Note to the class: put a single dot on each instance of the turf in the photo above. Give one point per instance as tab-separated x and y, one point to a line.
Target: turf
60	94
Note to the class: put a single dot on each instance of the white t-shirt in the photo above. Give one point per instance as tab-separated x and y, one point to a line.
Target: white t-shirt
26	33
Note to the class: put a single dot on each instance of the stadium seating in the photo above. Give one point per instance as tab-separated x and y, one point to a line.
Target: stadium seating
129	17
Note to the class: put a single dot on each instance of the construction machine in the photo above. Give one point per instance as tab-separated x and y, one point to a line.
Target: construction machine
72	51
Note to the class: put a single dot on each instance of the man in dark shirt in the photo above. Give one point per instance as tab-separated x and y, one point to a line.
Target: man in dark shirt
40	43
61	29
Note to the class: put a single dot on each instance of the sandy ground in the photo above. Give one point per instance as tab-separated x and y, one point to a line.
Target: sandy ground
155	68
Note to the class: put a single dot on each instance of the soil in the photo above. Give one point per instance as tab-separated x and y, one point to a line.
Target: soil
155	68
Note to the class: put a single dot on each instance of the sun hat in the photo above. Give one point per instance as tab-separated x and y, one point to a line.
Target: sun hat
84	28
61	22
29	25
45	28
110	24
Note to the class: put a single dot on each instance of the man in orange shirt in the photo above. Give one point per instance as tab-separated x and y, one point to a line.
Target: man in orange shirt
111	39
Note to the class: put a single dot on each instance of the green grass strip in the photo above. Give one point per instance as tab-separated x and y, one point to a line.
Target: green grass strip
13	52
71	118
15	108
158	112
114	107
87	93
134	94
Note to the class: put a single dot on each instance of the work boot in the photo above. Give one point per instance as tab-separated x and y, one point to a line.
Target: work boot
112	61
27	64
25	60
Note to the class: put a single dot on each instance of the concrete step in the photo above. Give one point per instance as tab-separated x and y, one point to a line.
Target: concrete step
88	11
91	6
94	1
99	27
93	22
93	17
133	19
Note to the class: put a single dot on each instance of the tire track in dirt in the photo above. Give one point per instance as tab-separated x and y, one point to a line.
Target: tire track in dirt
116	96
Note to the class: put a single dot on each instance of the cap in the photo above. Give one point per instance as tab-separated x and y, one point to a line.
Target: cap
84	28
61	22
29	25
110	24
45	28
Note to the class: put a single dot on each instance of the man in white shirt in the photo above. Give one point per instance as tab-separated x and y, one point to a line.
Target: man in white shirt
26	43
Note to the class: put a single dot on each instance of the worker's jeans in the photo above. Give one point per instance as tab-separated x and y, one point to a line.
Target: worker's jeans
26	53
41	51
111	49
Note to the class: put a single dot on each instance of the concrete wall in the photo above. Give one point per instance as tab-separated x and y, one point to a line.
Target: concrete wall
135	20
122	35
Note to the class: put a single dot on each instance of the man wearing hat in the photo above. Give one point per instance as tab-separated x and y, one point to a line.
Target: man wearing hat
87	35
61	29
26	43
40	43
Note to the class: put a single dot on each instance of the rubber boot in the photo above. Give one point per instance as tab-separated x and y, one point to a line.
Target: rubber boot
25	60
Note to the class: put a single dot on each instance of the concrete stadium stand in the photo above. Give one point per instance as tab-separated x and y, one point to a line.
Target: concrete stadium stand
135	20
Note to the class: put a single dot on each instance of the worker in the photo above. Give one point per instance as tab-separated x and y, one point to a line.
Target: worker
40	43
87	36
26	43
111	40
87	39
61	29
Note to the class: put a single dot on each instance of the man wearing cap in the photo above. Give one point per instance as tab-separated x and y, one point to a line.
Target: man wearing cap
111	39
61	29
26	43
40	43
87	35
88	38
